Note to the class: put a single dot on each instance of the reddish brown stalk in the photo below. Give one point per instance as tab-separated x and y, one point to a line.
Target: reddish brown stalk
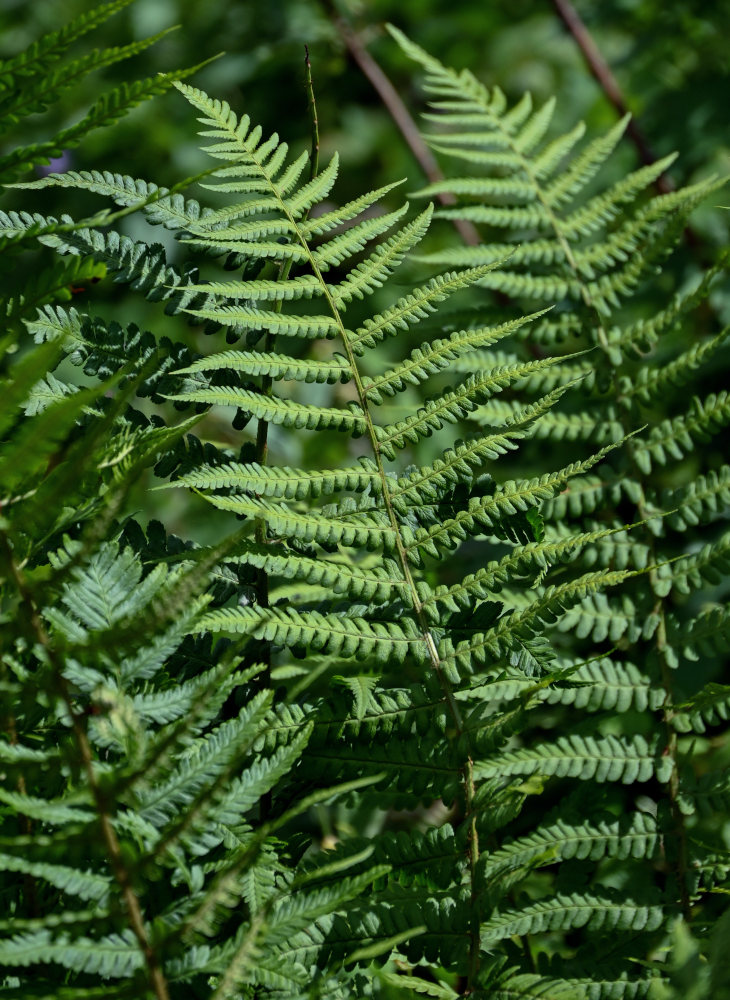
400	115
608	83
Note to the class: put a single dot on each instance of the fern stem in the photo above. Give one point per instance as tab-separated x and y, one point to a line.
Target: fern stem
116	859
262	430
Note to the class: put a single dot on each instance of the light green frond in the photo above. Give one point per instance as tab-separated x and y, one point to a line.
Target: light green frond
634	836
281	482
350	210
508	498
247	318
584	167
377	583
424	484
170	210
342	246
513	628
412	308
333	634
277	366
115	956
604	619
608	758
423	362
526	560
595	912
370	531
280	411
55	811
372	272
451	406
76	882
604	685
302	287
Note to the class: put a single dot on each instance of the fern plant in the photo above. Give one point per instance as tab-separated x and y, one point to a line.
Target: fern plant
385	629
593	255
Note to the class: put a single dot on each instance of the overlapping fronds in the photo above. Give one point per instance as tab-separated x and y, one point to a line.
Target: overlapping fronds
470	622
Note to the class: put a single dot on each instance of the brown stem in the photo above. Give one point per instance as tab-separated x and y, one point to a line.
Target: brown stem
608	83
116	859
400	115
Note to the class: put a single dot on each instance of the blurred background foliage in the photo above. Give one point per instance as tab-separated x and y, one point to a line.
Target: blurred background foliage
670	61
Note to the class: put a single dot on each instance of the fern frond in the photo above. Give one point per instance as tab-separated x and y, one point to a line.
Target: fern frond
370	531
635	836
115	956
595	912
424	363
508	498
704	499
412	308
161	207
677	437
86	885
281	482
587	758
333	634
42	53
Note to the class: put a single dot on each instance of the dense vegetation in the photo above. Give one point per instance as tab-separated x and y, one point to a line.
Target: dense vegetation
362	565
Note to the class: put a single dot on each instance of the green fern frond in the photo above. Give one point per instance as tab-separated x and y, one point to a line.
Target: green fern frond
677	437
587	758
42	53
281	482
595	912
333	634
634	836
704	499
85	885
708	708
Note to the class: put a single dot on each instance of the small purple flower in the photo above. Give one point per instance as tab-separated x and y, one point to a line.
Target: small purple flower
58	165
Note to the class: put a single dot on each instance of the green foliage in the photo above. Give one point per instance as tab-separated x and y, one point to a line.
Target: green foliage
471	619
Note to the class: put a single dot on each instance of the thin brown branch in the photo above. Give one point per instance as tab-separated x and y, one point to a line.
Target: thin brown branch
400	115
608	83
